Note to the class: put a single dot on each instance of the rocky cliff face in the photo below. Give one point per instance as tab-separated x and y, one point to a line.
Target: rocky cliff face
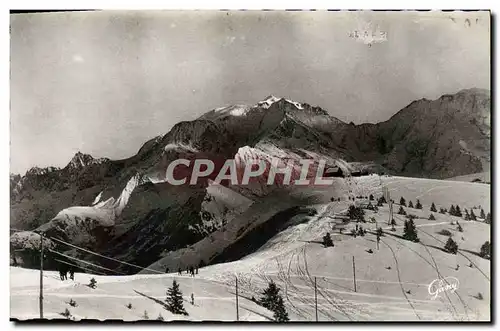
124	208
441	138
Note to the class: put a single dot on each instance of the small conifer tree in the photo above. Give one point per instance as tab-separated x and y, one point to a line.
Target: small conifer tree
327	240
452	210
451	246
272	300
410	231
472	215
401	211
485	251
174	300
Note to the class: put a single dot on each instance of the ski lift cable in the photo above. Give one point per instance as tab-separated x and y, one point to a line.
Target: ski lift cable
89	263
106	257
94	253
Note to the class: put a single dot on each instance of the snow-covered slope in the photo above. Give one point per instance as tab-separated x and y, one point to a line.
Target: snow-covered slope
78	223
212	301
392	282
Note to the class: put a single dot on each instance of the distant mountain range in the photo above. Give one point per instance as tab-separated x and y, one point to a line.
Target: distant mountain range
123	208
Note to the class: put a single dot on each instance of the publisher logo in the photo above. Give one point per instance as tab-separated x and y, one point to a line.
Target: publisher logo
441	285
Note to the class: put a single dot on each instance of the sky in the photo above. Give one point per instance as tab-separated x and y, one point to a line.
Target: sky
103	83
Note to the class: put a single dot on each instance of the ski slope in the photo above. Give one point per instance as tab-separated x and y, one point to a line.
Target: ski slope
392	282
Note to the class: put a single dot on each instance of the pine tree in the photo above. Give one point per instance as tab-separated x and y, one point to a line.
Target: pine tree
419	205
402	201
433	208
472	215
371	197
401	211
482	214
467	216
451	246
432	218
410	205
459	228
356	213
327	240
458	212
452	210
485	251
174	300
272	300
382	199
410	231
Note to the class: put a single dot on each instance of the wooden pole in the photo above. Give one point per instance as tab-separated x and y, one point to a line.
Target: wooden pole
41	276
354	273
237	308
316	298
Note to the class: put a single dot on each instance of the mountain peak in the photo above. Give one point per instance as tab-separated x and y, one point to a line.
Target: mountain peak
40	171
270	100
81	160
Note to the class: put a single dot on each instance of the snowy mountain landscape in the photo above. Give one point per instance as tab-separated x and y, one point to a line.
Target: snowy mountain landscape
122	223
250	166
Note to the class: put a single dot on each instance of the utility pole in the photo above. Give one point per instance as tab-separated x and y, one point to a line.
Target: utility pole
354	273
387	197
316	298
41	275
237	309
